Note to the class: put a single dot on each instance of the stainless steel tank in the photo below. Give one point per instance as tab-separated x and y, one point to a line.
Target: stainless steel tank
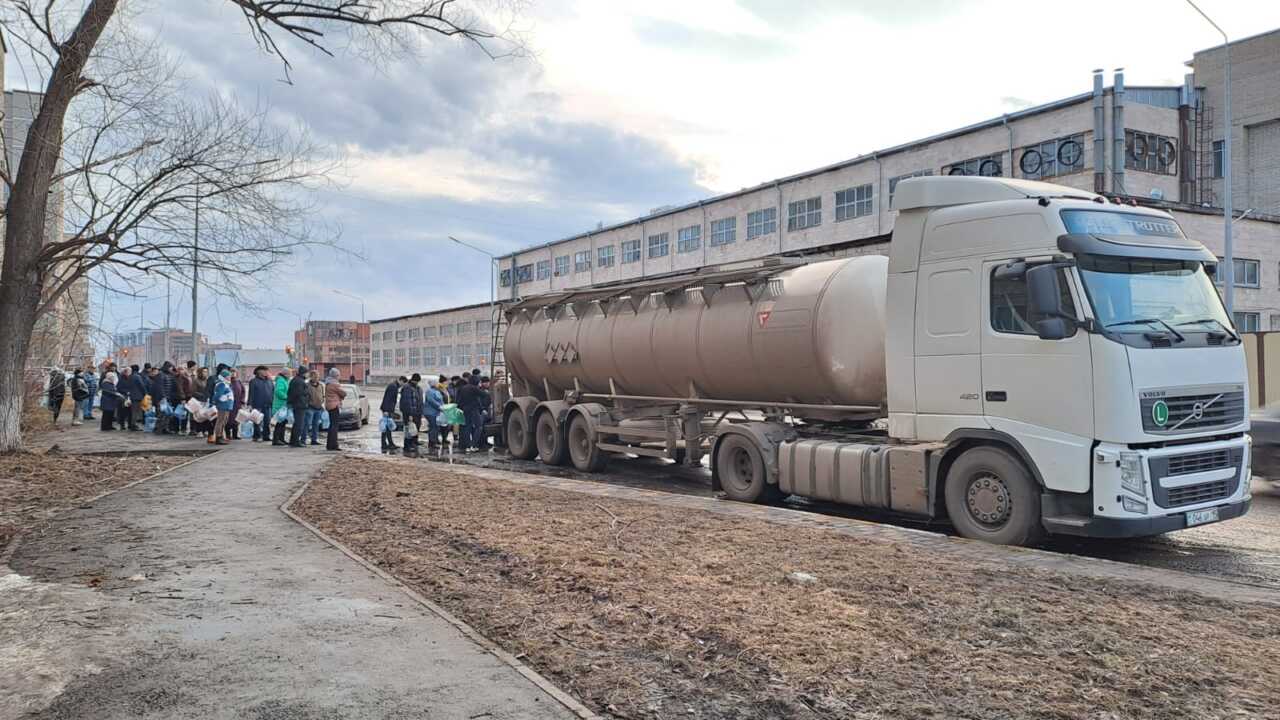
816	336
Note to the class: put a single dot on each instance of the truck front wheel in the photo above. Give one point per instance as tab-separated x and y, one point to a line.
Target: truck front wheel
991	496
741	470
517	436
552	447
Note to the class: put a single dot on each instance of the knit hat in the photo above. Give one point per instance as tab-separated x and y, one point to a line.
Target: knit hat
225	373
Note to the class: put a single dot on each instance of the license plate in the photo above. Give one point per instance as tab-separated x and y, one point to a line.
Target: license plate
1200	517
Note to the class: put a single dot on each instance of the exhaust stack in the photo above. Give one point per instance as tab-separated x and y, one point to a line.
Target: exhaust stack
1117	136
1099	135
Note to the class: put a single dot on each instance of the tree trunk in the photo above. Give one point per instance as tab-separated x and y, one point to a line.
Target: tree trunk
22	273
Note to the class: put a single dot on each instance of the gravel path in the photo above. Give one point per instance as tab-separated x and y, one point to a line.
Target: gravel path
191	595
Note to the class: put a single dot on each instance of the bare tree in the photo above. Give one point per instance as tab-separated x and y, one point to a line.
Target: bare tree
134	159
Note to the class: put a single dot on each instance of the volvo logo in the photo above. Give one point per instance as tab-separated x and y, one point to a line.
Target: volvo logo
1197	411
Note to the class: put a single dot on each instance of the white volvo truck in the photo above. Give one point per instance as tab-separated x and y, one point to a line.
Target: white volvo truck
1029	359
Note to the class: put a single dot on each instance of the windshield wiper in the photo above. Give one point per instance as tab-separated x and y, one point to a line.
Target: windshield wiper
1149	321
1216	321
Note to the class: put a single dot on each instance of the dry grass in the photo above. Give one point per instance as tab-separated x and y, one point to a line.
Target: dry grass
652	612
35	487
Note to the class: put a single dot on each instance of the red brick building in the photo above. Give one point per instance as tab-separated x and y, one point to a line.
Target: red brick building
324	344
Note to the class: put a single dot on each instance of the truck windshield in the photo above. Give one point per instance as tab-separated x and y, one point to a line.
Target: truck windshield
1152	295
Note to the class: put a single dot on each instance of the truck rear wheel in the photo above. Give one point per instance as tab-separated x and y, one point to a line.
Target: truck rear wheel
583	450
991	496
741	470
517	436
550	438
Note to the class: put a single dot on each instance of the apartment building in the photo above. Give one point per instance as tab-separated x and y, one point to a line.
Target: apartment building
341	344
444	342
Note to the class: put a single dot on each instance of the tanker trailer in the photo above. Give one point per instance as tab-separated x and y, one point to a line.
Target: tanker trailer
1022	390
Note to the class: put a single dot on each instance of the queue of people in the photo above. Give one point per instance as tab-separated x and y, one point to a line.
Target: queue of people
452	412
186	400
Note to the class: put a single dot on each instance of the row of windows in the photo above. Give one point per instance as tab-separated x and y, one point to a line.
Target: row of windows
428	332
447	356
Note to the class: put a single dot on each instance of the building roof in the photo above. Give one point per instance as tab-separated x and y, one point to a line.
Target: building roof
865	157
473	306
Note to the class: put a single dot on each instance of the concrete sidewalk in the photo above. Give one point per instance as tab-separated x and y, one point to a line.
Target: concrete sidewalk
192	595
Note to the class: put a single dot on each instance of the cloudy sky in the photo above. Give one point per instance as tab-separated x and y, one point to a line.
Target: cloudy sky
626	106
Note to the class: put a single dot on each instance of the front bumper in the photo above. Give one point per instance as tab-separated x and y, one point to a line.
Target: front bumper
1111	527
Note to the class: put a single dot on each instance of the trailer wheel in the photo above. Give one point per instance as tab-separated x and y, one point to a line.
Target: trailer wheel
991	496
741	470
550	438
583	450
517	436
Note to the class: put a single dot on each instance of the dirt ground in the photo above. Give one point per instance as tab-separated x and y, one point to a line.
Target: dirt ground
34	487
651	612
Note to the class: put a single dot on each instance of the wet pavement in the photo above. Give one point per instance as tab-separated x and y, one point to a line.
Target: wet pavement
1245	550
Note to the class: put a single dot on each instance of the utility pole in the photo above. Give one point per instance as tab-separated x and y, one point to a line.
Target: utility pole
195	284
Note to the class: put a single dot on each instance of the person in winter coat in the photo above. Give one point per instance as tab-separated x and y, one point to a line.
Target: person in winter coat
182	393
130	409
279	400
469	404
238	390
261	391
91	381
388	408
57	392
411	402
224	399
201	392
298	398
111	400
315	407
79	395
333	397
433	401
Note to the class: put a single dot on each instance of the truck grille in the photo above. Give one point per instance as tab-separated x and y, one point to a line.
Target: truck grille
1204	461
1183	416
1199	462
1204	492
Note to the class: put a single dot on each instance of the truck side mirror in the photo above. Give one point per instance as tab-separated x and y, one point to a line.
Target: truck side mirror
1044	297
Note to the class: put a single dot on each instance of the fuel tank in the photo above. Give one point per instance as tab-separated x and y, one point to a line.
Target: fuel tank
814	335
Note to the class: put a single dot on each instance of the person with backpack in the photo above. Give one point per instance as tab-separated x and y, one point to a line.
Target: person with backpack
224	400
80	396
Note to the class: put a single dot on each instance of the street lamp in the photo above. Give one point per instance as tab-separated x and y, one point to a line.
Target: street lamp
353	297
493	268
1229	282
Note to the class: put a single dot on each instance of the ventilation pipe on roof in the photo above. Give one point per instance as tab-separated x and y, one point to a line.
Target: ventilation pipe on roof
1099	135
1117	135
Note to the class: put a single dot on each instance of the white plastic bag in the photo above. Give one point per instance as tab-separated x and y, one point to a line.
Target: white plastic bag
256	416
194	406
243	416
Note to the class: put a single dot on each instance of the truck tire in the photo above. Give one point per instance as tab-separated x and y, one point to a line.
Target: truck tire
550	438
991	496
585	454
518	438
741	470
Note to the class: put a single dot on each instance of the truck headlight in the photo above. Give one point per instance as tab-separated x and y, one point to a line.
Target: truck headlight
1133	506
1131	478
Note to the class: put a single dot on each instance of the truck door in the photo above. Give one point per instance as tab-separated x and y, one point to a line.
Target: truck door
1040	392
947	354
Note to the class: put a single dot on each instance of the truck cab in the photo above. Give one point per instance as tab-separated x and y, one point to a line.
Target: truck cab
1071	353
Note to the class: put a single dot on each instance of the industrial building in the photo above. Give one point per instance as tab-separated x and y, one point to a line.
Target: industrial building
432	343
1157	145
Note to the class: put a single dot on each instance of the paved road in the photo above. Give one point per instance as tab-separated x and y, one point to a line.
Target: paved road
192	596
1245	550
